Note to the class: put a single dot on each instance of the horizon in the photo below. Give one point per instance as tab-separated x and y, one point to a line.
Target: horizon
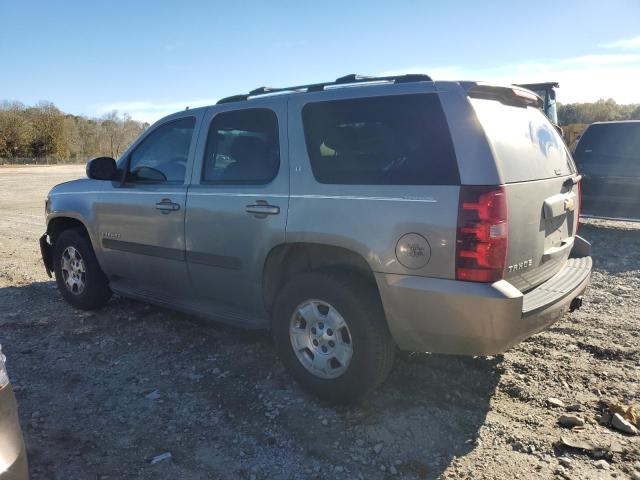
121	114
160	58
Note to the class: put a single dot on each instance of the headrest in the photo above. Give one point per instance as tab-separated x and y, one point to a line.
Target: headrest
248	148
339	138
344	139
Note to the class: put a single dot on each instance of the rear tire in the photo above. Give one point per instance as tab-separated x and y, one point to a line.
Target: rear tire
79	277
305	310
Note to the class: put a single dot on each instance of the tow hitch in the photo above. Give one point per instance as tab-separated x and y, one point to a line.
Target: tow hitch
576	303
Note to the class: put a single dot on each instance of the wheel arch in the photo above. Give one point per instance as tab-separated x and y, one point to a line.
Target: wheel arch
287	260
59	223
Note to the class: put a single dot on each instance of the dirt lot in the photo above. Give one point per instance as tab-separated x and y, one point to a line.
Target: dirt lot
223	406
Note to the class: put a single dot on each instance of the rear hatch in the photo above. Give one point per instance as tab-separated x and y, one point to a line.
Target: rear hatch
540	184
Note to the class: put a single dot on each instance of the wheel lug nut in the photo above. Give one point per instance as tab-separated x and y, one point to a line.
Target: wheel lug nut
315	342
324	349
329	332
321	325
331	344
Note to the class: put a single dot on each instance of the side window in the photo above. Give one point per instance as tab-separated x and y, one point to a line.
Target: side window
162	156
390	140
242	147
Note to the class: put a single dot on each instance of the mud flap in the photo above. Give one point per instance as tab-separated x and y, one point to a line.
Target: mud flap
47	254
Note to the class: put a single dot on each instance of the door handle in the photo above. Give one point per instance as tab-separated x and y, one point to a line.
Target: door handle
167	206
262	209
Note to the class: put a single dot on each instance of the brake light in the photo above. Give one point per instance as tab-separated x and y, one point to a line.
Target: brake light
579	202
527	97
481	241
514	96
4	378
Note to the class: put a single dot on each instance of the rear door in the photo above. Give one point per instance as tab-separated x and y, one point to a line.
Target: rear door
237	205
608	157
541	186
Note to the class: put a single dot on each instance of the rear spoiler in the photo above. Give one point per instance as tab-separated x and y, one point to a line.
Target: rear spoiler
512	96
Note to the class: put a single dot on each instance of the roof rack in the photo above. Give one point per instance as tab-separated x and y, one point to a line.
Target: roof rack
318	87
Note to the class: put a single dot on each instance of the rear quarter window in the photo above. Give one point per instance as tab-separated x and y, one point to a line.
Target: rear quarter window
525	144
390	140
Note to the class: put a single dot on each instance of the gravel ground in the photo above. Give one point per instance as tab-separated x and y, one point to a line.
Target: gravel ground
102	394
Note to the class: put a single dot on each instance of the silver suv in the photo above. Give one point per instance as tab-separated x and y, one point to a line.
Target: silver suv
353	218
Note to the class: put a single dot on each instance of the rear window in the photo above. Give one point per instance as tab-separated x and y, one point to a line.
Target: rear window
391	140
610	144
525	144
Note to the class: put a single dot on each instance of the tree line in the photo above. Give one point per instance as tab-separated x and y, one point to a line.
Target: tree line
600	111
42	133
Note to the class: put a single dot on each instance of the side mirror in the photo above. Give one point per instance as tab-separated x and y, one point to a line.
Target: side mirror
102	168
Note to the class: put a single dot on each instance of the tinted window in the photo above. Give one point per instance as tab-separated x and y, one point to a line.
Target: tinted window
242	147
525	144
609	144
392	140
162	156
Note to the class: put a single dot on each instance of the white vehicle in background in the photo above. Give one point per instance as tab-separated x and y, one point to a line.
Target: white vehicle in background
13	458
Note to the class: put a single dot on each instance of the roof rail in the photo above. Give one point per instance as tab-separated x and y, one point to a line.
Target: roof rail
318	87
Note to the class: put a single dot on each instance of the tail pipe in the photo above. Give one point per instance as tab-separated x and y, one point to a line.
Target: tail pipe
576	303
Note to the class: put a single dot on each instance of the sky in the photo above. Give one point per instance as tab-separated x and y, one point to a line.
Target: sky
153	58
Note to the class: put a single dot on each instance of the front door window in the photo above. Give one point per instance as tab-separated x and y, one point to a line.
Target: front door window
162	156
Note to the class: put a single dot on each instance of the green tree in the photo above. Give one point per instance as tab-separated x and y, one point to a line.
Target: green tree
43	131
600	111
47	127
14	130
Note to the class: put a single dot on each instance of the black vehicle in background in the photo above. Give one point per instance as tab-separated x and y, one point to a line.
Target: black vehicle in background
608	157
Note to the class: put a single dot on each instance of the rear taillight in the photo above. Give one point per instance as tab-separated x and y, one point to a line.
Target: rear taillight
579	203
481	242
579	200
4	378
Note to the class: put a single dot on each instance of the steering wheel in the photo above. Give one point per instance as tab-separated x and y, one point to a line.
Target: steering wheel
149	173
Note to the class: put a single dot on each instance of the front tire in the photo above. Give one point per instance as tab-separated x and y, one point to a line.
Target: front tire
79	277
331	333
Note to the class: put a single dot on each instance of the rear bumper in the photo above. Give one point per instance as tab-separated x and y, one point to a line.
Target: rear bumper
467	318
13	459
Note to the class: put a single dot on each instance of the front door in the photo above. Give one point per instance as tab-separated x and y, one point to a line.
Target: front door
237	205
141	222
